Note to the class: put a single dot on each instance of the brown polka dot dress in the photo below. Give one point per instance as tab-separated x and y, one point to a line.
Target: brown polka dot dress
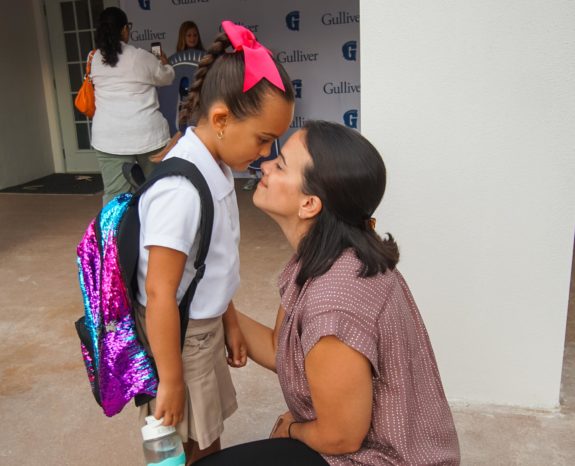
411	421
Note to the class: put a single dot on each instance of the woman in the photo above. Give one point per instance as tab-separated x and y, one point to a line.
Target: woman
350	348
189	37
127	125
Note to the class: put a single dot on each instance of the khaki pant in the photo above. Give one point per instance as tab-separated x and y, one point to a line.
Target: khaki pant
112	176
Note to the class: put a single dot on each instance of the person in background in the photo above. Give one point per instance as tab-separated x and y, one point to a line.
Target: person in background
189	37
127	125
352	355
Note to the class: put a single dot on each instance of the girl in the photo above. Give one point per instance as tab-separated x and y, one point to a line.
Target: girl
352	355
189	37
238	118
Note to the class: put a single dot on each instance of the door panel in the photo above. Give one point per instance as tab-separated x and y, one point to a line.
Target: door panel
71	26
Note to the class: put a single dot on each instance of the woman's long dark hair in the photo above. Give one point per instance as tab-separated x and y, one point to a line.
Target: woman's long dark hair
220	77
108	34
348	175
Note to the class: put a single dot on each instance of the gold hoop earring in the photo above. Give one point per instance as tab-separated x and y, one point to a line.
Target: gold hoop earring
220	134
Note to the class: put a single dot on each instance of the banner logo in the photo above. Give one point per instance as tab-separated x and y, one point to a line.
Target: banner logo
187	2
297	122
296	56
350	119
292	20
146	34
349	50
145	4
342	87
296	83
341	17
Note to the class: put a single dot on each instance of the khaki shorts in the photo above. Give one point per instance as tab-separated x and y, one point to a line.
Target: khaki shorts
210	394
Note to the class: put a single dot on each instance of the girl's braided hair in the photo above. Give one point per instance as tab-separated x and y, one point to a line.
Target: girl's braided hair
220	76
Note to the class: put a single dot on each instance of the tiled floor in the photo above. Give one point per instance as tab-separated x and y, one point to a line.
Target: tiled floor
49	418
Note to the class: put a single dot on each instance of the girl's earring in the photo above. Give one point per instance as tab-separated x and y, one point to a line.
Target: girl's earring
220	134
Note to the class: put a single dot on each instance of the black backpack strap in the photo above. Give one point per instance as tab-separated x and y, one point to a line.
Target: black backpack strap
134	174
175	166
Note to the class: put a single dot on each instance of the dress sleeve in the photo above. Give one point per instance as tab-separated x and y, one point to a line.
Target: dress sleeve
341	314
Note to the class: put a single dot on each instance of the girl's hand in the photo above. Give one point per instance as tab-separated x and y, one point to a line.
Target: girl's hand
236	346
170	403
282	426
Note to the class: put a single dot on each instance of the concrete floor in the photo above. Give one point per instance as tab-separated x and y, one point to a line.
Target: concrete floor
49	418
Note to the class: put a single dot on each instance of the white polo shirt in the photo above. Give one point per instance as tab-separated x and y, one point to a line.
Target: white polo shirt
170	217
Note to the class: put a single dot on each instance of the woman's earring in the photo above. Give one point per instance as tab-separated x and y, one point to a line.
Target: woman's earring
220	134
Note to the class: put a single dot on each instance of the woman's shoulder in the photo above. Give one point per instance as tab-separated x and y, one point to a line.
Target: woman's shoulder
343	284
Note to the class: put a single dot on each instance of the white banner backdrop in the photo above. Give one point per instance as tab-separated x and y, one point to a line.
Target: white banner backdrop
316	41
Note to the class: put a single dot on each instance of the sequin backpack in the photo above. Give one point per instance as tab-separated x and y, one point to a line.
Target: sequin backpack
118	366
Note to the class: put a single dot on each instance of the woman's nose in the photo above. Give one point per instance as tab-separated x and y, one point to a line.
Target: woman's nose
265	167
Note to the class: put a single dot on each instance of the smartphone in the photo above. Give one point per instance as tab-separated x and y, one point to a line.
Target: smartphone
157	49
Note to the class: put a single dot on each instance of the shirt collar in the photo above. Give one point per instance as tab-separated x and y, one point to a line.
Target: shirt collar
219	177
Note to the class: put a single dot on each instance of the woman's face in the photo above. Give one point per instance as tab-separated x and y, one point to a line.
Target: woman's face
279	192
244	141
191	38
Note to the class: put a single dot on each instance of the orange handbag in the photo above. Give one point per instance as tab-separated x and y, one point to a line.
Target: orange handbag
85	101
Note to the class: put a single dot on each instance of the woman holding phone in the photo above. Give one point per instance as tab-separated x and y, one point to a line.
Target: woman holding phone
127	125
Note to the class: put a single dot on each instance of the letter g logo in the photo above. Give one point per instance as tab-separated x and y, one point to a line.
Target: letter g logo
292	20
350	119
145	4
296	83
349	50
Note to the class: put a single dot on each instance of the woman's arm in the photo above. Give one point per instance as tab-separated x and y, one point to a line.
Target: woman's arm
165	270
341	389
261	340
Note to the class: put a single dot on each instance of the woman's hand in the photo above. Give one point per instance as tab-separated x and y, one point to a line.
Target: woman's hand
163	58
170	402
281	428
236	346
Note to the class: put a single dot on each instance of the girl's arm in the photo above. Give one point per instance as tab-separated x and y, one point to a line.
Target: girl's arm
235	341
341	389
165	270
261	340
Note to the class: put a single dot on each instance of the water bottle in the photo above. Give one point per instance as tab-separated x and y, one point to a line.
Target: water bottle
162	444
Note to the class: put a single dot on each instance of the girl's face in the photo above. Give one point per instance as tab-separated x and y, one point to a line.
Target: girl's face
191	38
246	140
279	192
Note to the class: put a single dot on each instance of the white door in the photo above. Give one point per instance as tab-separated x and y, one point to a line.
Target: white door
71	26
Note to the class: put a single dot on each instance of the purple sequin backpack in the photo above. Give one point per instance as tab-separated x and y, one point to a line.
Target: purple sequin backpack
118	366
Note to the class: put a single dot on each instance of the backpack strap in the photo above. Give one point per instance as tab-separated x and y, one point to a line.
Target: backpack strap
175	166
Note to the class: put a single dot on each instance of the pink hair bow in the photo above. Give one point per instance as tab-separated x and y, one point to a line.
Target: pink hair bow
258	60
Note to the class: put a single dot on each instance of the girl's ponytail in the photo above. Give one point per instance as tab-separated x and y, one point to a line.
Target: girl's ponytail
191	107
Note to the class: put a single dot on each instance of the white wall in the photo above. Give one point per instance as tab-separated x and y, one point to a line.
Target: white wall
25	144
472	106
